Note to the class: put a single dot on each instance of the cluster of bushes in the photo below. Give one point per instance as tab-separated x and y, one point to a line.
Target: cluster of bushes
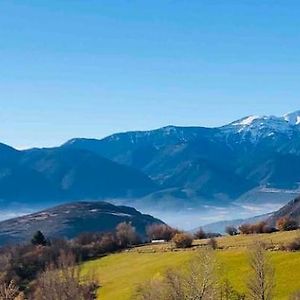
283	224
90	245
260	227
167	233
200	234
161	232
287	224
21	265
183	240
179	238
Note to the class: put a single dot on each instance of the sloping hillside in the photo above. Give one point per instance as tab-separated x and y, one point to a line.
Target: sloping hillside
70	220
291	210
121	273
221	225
59	174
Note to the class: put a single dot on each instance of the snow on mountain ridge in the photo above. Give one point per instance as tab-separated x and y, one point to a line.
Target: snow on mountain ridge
251	127
246	121
293	118
277	123
255	127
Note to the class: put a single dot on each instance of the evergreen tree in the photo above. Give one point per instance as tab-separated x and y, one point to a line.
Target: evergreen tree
39	239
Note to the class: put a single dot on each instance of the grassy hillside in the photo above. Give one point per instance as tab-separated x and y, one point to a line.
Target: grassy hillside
120	273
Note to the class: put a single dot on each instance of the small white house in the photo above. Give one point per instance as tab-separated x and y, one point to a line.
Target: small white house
158	241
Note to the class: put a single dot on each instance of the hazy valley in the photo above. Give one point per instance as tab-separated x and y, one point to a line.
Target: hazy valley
187	176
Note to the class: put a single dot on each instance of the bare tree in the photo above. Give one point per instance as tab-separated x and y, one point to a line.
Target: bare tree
182	240
154	289
261	283
201	281
63	282
198	282
8	291
200	234
126	234
245	228
170	287
175	285
227	292
212	242
161	232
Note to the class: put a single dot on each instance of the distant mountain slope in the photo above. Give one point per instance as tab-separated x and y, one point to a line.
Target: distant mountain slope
71	219
216	163
184	158
220	226
291	210
59	174
211	166
126	148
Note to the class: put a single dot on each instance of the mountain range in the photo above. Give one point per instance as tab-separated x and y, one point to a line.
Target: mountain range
211	164
254	159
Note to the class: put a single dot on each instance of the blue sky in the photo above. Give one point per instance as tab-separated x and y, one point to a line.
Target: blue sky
90	68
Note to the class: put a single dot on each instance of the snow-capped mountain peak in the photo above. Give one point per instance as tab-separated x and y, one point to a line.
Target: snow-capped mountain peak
246	121
255	127
259	122
293	118
271	122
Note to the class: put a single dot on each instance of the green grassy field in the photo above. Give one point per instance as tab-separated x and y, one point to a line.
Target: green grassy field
119	274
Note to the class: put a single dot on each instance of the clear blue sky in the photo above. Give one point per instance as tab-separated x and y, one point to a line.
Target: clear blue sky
89	68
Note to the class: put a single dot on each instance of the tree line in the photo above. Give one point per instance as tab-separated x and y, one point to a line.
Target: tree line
49	269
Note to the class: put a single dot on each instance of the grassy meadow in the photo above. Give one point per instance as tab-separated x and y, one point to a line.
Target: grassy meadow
119	274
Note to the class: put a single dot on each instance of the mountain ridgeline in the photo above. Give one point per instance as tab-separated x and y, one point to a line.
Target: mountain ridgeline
219	164
70	220
59	174
194	165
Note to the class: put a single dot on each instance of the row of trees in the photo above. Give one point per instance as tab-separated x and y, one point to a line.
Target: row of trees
260	227
185	240
179	238
167	233
164	232
282	224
